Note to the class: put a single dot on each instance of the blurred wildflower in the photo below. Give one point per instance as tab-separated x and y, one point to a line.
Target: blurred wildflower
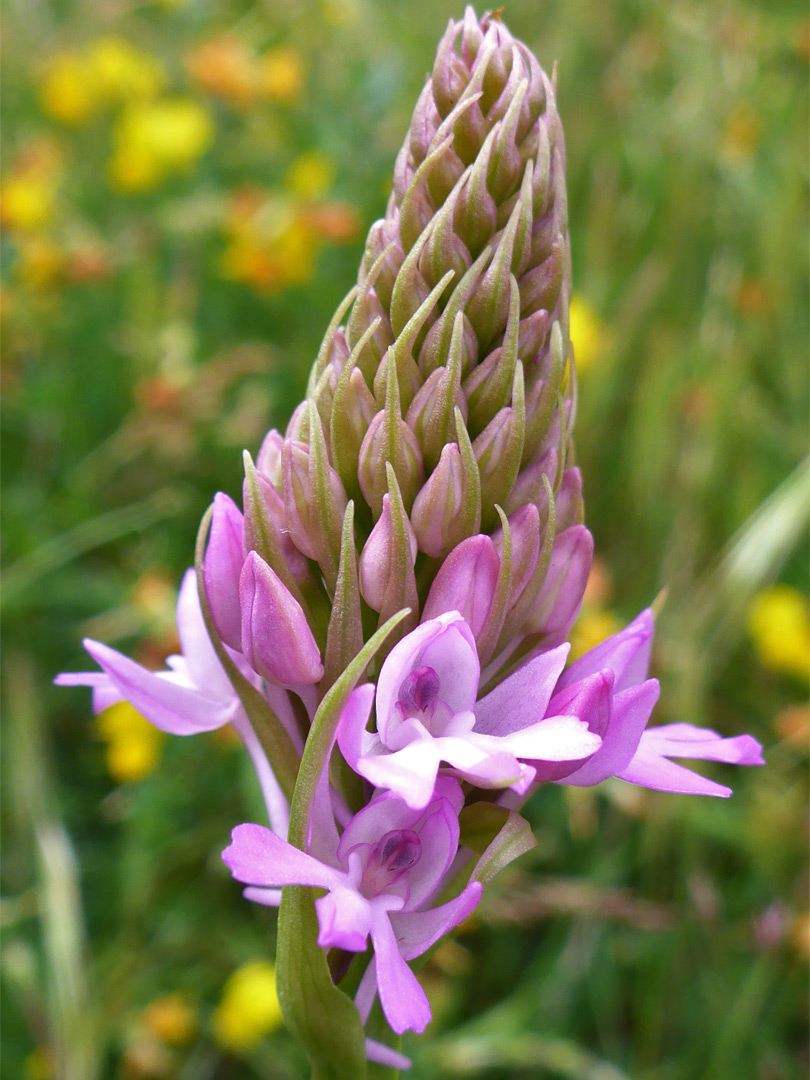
779	625
40	1064
67	92
311	175
27	193
39	263
272	240
133	744
587	333
335	221
592	627
223	66
793	725
754	297
249	1008
119	72
281	75
741	135
596	622
87	263
157	139
171	1018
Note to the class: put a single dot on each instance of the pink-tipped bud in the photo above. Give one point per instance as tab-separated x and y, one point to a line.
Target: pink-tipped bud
439	517
559	600
268	459
405	457
276	639
270	513
221	568
568	507
524	530
466	583
377	559
312	520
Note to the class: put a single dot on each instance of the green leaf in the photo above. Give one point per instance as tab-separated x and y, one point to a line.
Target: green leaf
497	835
317	1013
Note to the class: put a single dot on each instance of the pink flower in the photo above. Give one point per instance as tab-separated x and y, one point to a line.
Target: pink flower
427	714
379	876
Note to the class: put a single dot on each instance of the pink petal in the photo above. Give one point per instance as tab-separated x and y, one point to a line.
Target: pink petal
688	741
660	774
521	699
403	1000
256	856
626	654
416	931
557	738
353	720
204	669
177	709
631	711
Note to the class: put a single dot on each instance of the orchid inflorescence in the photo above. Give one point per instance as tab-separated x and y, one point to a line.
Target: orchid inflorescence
384	622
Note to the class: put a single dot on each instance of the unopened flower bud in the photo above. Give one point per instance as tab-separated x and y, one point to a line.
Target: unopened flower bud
276	639
558	602
222	565
465	582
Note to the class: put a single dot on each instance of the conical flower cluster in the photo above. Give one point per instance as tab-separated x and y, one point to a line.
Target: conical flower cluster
419	526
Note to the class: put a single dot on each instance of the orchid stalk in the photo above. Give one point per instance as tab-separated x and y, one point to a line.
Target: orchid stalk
385	618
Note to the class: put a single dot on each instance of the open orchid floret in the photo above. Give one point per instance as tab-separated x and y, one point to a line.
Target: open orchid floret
427	717
194	694
386	866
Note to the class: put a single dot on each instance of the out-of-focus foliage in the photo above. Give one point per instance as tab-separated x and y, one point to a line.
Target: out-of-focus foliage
184	193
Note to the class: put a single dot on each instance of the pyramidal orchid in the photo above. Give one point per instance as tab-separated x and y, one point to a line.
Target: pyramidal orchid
384	619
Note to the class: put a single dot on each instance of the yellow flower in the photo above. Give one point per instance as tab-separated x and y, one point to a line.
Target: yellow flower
26	202
130	169
587	333
133	744
281	75
121	72
311	175
155	139
591	628
295	250
40	263
779	625
172	1018
246	261
67	89
249	1008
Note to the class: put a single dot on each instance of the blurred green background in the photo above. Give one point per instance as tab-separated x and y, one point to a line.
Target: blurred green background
184	193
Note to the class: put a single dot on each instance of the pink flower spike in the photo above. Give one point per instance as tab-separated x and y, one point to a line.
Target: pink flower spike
276	639
221	568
